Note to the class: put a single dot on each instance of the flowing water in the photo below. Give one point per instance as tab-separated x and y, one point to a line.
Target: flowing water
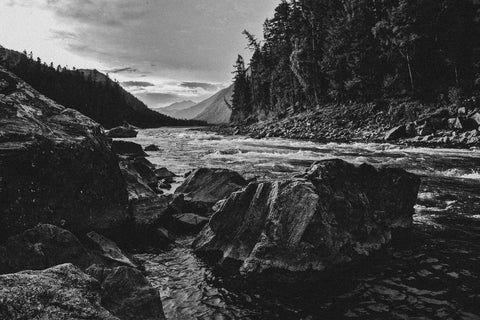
435	275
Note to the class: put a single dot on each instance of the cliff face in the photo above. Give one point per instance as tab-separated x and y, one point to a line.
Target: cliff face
56	166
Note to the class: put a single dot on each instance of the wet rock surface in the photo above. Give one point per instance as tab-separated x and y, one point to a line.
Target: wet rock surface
205	186
127	293
56	166
337	213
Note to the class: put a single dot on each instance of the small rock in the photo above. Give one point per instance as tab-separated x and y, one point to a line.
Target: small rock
188	222
128	148
164	173
122	132
152	147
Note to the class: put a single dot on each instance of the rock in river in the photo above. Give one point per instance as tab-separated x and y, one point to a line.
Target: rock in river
126	131
333	214
56	166
128	294
205	186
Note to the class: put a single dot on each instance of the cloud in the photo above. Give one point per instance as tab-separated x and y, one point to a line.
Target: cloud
154	99
192	43
137	84
202	85
122	70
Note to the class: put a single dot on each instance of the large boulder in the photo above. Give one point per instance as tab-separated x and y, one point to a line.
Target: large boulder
127	149
334	214
42	247
127	294
47	245
108	249
63	292
396	133
56	166
205	187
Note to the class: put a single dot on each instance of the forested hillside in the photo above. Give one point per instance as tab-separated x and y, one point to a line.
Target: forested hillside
104	101
339	51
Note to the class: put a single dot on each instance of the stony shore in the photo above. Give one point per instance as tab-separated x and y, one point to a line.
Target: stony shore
405	124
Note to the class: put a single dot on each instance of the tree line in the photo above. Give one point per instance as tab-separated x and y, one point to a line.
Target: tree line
318	51
97	97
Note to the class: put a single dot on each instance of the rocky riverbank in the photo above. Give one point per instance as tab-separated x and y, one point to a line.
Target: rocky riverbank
402	123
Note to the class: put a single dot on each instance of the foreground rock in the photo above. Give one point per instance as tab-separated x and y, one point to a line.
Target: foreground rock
63	292
126	131
42	247
334	214
47	245
204	187
56	166
127	293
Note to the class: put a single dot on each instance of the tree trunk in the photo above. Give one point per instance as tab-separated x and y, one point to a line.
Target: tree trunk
412	85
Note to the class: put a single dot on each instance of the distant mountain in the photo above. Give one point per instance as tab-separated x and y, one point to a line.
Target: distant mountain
214	110
176	107
88	91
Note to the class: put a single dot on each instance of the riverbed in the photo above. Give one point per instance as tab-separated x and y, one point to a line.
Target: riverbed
433	275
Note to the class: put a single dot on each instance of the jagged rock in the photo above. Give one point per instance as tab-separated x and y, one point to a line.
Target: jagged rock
122	132
56	166
108	249
137	188
451	123
411	129
145	170
151	211
334	214
127	294
63	292
151	148
205	186
396	133
476	117
465	124
164	173
127	148
47	245
425	129
147	208
42	247
164	185
187	223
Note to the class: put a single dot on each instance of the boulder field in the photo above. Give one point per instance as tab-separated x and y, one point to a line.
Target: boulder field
332	214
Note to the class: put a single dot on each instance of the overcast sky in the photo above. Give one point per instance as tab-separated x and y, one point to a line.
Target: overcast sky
161	50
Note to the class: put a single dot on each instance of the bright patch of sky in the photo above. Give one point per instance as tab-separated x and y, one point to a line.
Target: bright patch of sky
163	51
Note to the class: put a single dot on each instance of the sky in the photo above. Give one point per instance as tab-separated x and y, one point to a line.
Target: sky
163	51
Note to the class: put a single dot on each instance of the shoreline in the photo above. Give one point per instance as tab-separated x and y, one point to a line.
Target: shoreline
235	130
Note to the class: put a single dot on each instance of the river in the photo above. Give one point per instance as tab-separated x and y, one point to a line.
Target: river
435	275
